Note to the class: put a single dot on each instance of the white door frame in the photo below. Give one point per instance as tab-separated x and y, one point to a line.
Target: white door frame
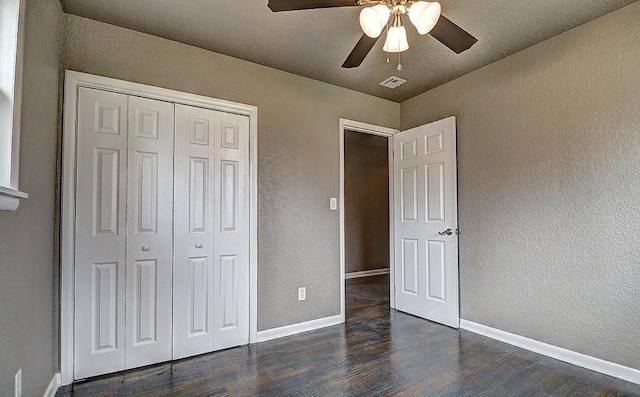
371	130
74	80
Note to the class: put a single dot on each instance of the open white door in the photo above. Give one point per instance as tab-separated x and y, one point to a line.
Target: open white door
426	221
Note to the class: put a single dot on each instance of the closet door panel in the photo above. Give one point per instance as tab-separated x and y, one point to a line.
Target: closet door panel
149	232
231	265
194	212
99	338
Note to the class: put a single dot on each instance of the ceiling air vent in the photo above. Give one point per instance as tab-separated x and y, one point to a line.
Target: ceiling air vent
393	82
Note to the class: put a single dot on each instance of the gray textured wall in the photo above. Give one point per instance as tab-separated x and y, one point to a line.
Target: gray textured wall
27	320
549	188
298	150
366	202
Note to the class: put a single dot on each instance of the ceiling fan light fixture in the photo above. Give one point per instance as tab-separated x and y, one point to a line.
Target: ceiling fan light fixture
374	19
396	40
424	15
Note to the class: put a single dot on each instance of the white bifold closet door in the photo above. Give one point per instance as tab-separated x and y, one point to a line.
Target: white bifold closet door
149	232
124	211
101	176
193	263
211	264
162	232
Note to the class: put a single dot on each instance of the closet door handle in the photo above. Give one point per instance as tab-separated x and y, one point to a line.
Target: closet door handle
198	245
145	248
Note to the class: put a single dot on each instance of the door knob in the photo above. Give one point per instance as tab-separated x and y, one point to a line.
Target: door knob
198	245
145	248
447	232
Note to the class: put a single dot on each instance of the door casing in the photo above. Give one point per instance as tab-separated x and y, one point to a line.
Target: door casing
75	80
371	130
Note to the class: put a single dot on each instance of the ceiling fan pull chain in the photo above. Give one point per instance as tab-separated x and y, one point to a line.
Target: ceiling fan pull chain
399	63
387	39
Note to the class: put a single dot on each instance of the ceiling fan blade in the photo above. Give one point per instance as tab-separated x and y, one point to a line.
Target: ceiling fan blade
290	5
452	35
359	52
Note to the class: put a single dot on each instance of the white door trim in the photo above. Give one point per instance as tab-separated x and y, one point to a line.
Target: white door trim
372	130
74	80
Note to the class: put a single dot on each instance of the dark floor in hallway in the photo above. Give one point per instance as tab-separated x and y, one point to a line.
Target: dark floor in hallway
378	352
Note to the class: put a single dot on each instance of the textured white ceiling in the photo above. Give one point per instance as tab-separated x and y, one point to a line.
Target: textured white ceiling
314	43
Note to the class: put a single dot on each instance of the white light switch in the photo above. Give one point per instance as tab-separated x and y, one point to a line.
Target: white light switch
302	293
333	203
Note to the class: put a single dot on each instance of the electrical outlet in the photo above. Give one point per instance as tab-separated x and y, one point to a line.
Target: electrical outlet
302	293
18	383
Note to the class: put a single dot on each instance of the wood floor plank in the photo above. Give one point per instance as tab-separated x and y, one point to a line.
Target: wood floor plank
377	352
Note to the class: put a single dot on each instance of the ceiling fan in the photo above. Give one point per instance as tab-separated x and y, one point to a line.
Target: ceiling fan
388	14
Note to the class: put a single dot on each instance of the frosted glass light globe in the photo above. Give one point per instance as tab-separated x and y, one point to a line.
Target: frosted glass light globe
374	19
424	15
396	40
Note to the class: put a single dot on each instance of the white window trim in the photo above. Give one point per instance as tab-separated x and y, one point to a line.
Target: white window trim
10	196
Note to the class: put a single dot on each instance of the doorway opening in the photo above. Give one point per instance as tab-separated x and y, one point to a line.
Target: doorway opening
366	217
366	220
423	238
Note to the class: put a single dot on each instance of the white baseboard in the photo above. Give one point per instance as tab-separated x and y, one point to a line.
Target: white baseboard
293	329
366	273
53	386
569	356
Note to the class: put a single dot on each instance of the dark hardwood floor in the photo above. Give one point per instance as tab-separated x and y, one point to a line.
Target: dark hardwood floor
377	352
